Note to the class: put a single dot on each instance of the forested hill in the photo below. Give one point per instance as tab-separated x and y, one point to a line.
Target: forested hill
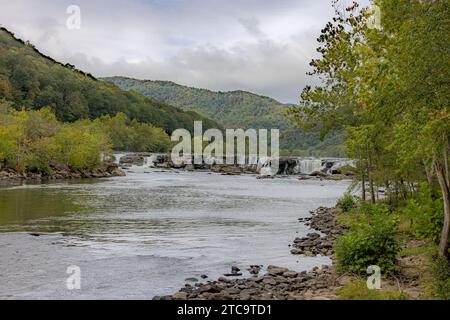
236	109
32	80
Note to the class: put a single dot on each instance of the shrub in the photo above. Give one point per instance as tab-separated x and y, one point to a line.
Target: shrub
370	242
347	202
426	212
440	278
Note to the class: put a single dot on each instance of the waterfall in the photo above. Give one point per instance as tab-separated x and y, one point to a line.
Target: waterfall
117	157
287	165
151	160
264	167
308	165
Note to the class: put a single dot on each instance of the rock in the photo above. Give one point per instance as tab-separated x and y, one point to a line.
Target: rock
290	274
180	296
254	269
268	280
318	174
234	272
232	291
132	159
244	296
208	288
272	270
265	177
227	169
203	276
191	279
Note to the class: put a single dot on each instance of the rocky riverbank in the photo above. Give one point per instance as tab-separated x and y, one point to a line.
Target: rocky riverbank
280	283
107	169
324	221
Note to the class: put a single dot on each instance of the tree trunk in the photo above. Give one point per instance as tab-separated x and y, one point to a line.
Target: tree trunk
369	175
444	243
446	164
428	174
372	191
363	187
363	181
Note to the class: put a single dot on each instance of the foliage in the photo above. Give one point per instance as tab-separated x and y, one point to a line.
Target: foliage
80	144
371	241
425	211
347	202
134	136
388	88
34	140
440	278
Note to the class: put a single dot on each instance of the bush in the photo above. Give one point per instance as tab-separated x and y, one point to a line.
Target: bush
440	278
370	242
347	202
426	213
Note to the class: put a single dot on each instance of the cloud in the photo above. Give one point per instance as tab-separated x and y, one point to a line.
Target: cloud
215	44
252	26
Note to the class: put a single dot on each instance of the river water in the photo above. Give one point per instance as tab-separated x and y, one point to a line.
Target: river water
142	235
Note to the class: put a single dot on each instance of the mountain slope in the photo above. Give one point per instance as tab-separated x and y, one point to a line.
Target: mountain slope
32	80
236	109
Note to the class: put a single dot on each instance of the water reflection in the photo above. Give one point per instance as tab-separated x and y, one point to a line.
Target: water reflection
21	206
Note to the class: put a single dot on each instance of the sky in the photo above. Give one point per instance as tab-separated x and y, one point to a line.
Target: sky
256	45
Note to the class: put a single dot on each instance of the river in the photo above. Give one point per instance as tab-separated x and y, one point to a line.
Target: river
142	235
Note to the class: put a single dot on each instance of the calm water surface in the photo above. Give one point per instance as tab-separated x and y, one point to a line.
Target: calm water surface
142	235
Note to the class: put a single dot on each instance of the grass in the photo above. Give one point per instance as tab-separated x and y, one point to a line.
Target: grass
357	290
427	249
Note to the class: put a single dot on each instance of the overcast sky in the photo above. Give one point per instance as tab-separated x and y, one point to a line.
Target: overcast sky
257	45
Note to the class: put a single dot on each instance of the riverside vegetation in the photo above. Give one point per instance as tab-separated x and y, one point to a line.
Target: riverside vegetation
34	144
387	86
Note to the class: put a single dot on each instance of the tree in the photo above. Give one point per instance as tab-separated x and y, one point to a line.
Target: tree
389	88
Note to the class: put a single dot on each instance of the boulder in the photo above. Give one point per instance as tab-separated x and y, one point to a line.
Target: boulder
318	174
273	270
180	296
132	159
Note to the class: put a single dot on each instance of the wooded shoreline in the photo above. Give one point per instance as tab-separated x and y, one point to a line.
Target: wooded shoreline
60	172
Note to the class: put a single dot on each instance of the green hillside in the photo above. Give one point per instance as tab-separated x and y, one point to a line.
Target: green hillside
237	109
32	80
